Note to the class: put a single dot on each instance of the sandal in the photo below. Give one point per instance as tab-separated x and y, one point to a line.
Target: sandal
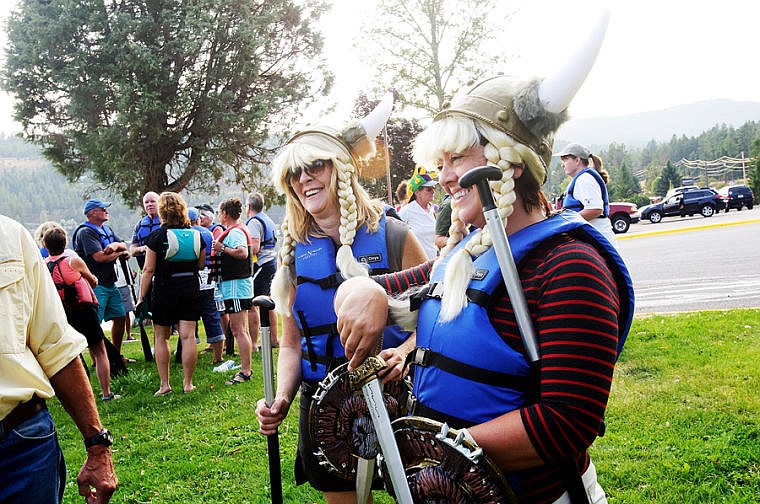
239	377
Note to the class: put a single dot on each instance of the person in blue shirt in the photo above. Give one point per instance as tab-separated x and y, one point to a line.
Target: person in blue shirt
233	248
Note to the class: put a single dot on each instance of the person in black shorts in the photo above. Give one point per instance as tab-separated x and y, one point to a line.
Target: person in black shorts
82	315
176	253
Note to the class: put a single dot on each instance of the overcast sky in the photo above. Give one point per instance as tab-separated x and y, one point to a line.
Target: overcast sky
657	53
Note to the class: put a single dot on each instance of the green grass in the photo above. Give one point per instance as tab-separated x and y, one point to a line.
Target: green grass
683	424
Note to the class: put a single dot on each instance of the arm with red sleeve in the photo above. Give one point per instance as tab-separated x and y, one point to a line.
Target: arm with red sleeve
574	306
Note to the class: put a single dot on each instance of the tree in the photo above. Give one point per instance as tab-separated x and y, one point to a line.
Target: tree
667	179
754	171
624	187
161	94
432	47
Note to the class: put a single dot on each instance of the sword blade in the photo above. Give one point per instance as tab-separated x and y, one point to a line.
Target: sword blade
382	423
365	469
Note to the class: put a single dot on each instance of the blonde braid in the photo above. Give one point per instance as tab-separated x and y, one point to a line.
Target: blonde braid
344	259
282	280
500	153
457	231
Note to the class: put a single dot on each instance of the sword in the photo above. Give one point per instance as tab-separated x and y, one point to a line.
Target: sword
266	304
479	177
365	469
365	376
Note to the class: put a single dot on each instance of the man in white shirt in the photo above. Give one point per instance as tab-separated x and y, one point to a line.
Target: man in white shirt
39	358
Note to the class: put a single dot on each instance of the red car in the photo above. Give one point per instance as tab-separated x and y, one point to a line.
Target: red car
622	214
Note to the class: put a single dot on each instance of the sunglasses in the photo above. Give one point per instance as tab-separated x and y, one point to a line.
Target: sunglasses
313	170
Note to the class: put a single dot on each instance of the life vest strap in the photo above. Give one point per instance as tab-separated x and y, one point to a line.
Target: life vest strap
328	282
435	291
416	408
425	357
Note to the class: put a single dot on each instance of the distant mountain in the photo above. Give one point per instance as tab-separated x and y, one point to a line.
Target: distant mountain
636	130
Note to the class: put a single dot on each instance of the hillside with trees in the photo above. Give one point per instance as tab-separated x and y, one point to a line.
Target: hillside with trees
31	191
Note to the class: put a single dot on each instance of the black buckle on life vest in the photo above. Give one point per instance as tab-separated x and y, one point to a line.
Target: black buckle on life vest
416	299
328	282
434	290
420	356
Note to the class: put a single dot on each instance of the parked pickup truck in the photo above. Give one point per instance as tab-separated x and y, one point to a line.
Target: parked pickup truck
622	214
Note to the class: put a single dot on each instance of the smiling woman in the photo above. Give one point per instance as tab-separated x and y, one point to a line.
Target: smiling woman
332	231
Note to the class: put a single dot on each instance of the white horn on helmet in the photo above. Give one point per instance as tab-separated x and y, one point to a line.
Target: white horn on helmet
375	120
557	91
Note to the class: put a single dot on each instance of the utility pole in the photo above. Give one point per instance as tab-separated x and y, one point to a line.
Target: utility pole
744	171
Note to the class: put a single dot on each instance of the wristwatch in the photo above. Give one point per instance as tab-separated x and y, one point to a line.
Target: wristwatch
103	437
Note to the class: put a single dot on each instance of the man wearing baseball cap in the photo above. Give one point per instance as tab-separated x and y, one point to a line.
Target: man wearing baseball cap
587	191
100	248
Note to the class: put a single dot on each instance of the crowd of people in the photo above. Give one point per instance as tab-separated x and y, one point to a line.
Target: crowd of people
193	263
353	277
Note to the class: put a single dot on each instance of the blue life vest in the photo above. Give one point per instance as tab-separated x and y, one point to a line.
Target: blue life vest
317	280
105	234
208	238
570	203
270	235
145	227
467	374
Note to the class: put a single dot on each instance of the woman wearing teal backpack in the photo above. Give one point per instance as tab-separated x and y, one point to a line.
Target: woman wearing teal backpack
176	253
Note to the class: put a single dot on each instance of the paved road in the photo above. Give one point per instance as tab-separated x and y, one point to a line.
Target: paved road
695	263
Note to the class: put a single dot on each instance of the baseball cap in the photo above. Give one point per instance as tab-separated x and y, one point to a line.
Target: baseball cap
421	178
574	149
95	203
192	214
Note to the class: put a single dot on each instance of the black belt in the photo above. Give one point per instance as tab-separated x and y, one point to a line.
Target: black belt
22	413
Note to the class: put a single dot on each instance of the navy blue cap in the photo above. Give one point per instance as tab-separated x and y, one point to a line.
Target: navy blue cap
95	203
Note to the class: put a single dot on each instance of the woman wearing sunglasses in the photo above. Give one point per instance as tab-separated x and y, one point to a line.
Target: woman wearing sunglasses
332	231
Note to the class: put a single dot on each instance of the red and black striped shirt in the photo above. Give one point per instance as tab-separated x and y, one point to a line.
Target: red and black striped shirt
574	304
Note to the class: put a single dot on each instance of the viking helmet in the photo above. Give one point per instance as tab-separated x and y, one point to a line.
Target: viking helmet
356	140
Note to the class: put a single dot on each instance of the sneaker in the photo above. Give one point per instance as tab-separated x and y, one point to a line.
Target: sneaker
224	366
112	397
130	339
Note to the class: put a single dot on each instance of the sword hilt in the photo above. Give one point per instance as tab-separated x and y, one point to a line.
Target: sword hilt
366	372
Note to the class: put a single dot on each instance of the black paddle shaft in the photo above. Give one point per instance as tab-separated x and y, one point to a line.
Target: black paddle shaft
265	304
479	178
